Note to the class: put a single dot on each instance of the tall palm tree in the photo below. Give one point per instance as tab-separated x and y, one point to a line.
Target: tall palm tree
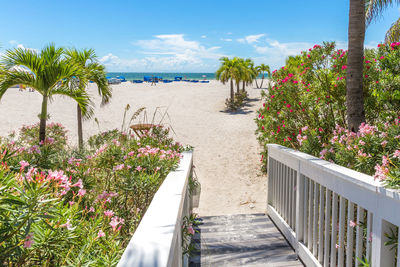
374	9
47	72
264	68
229	70
354	81
91	70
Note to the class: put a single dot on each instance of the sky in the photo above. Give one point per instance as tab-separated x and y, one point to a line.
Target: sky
182	36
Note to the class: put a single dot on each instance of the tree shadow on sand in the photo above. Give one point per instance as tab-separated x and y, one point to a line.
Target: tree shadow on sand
243	110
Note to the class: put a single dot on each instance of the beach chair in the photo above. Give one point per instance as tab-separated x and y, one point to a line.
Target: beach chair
141	129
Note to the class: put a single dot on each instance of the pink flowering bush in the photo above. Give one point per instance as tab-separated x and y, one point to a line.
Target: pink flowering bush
304	108
88	200
374	150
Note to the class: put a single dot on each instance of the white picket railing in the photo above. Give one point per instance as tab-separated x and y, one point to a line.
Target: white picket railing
157	241
315	204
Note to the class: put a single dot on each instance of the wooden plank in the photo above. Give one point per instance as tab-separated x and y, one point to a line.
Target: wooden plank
310	213
321	225
295	188
369	235
342	227
300	211
327	226
359	235
334	228
306	211
350	235
315	220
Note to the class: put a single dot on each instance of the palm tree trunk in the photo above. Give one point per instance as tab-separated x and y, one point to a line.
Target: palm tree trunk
354	84
257	83
237	87
43	118
244	86
262	81
232	92
80	134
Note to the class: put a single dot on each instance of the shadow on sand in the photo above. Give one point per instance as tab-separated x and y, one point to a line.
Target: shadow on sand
244	109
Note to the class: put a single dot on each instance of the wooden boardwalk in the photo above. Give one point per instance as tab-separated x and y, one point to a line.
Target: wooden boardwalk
241	240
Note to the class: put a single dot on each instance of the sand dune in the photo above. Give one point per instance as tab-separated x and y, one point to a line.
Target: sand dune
226	150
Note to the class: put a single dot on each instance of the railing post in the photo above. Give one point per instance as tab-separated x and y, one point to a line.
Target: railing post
382	255
299	227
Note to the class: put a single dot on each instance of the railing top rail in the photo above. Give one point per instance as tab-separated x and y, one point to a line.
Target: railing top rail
152	242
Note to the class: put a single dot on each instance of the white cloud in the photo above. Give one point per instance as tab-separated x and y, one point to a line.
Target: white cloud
229	33
167	52
250	39
204	36
274	53
17	44
226	40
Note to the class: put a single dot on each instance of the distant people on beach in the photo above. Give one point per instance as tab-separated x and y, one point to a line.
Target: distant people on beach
153	80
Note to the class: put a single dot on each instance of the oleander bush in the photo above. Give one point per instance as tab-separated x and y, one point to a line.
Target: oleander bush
305	108
65	207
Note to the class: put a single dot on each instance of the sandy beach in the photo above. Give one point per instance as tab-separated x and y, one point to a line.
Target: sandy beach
226	150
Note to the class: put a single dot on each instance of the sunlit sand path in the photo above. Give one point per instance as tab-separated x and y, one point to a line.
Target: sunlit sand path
226	150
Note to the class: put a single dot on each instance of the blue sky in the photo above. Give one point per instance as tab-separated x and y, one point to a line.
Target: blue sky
185	36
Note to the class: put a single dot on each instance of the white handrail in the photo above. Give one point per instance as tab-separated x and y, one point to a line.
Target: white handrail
336	210
157	240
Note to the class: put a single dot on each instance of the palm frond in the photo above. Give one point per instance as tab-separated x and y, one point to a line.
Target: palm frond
393	34
375	8
11	78
80	96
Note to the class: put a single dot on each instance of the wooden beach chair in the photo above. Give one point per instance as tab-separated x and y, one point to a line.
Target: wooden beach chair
141	129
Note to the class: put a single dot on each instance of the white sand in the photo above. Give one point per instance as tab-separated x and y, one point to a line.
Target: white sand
226	150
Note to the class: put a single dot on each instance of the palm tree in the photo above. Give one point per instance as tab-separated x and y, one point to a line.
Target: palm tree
248	72
262	69
374	9
257	72
91	71
354	84
229	70
47	72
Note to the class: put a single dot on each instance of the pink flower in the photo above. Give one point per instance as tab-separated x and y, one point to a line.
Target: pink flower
109	213
380	172
337	246
139	168
385	160
352	224
28	240
100	234
91	209
81	192
384	143
78	184
115	221
323	153
119	167
396	154
67	225
23	164
190	230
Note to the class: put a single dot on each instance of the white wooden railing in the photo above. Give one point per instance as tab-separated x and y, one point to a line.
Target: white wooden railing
157	240
316	205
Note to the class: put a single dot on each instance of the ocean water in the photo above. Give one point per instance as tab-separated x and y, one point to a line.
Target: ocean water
165	75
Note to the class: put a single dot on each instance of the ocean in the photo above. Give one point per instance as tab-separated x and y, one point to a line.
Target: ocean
165	75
